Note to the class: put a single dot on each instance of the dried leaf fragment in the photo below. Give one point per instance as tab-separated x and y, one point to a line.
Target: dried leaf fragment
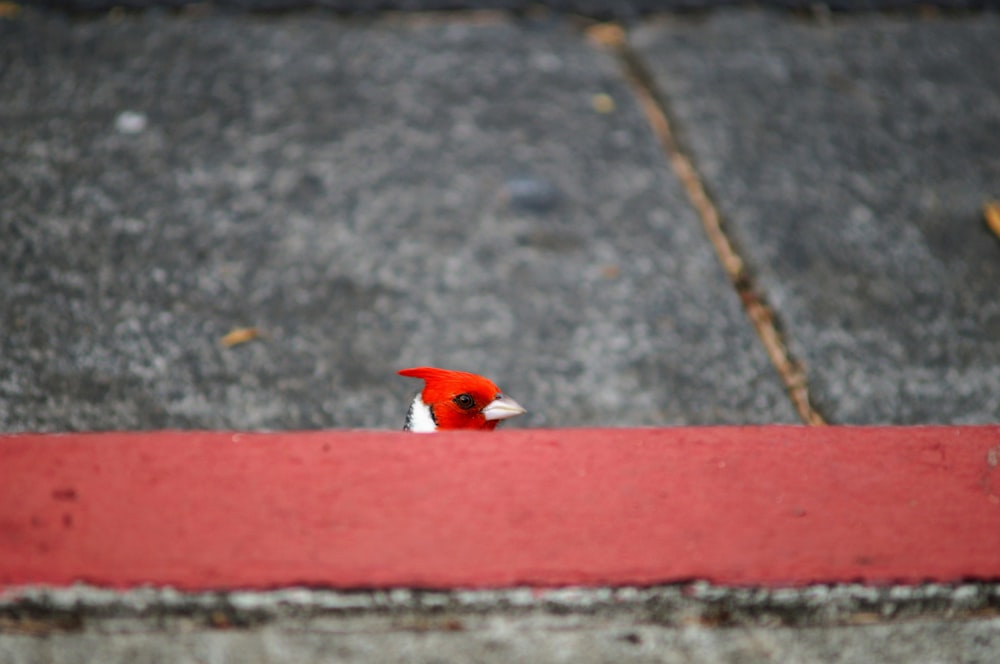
603	103
608	35
991	213
240	335
219	620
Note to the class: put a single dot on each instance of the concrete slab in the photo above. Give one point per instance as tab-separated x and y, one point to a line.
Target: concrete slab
851	158
502	639
370	196
665	624
619	9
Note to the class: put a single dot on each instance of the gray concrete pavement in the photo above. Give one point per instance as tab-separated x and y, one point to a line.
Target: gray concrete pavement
368	196
852	158
602	9
696	623
372	195
501	639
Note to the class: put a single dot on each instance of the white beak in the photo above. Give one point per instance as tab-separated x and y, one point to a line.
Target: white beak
502	408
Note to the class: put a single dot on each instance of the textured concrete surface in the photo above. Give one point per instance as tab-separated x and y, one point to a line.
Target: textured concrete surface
604	9
501	639
667	624
851	158
371	196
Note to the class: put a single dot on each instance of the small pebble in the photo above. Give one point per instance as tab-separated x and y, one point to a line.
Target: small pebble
531	194
131	122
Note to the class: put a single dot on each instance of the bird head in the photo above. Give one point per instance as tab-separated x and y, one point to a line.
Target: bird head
456	400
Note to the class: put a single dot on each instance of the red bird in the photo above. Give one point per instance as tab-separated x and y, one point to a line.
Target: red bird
456	400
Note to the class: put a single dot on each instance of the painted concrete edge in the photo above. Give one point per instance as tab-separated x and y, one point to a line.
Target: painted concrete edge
736	506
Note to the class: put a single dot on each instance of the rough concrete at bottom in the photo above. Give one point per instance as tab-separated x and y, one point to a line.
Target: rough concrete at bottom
504	639
695	622
370	195
621	9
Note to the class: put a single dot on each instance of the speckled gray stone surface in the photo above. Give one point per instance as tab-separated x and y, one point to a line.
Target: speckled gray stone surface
619	9
501	639
851	159
370	196
669	624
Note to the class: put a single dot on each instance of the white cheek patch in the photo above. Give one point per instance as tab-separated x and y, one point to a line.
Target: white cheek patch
419	418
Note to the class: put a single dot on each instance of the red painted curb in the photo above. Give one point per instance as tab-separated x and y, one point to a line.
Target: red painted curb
762	505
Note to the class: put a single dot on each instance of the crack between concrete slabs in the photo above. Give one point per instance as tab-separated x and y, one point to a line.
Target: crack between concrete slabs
612	37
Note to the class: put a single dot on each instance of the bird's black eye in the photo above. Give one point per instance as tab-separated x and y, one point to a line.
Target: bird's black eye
464	401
